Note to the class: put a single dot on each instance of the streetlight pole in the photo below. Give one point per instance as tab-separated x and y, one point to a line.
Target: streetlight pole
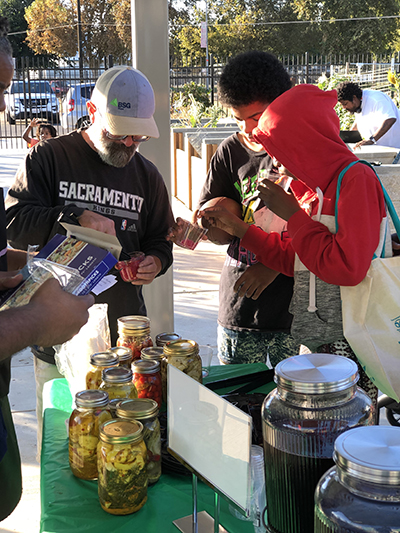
78	6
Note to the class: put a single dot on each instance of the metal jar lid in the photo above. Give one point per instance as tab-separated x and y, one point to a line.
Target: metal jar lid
119	374
104	359
138	409
112	404
163	338
121	431
91	398
152	353
316	373
133	324
123	353
370	453
181	347
145	367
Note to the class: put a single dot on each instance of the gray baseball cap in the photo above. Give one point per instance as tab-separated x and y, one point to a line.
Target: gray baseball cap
125	100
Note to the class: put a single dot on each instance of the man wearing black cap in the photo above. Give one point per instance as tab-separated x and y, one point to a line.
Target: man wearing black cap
97	178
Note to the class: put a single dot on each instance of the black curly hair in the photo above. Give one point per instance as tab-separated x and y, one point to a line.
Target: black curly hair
253	76
46	125
347	89
5	45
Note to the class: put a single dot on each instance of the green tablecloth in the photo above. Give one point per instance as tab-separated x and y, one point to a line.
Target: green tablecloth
71	505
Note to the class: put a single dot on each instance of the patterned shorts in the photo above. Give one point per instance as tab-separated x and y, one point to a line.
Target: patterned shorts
236	347
343	348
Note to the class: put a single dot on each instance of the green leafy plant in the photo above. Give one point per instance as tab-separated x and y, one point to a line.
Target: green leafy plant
191	106
326	84
394	79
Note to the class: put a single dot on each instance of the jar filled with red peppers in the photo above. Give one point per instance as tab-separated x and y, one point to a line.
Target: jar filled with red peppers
98	362
134	333
146	411
124	355
147	380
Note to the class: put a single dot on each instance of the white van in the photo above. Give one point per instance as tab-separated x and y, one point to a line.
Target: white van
31	98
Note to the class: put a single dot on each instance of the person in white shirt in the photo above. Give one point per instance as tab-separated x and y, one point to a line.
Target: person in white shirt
376	115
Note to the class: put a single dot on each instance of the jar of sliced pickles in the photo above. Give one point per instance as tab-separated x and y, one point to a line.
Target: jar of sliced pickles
118	383
146	411
163	338
84	425
134	333
147	380
124	355
98	362
184	355
122	470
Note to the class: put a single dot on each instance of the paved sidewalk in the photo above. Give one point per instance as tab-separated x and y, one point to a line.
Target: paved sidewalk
196	278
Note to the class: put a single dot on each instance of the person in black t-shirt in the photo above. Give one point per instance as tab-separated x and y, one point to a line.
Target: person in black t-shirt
253	319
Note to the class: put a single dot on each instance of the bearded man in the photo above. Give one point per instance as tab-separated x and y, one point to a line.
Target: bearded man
96	177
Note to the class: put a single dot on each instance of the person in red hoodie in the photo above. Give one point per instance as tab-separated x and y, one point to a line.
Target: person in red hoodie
300	129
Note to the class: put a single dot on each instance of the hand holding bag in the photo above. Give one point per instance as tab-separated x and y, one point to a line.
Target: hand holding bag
371	314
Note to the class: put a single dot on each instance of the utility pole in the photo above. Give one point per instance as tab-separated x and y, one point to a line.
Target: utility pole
78	6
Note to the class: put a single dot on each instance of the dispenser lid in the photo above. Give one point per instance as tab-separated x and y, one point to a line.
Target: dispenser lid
316	373
370	453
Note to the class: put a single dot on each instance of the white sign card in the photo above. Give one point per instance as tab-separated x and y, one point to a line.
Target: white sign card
211	435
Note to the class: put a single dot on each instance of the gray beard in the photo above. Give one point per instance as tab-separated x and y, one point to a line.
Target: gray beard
111	152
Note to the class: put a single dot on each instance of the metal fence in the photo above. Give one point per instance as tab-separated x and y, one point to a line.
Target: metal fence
68	87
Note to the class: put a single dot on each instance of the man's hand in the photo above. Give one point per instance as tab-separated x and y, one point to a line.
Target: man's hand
254	280
363	143
148	270
16	259
277	200
88	219
177	231
223	219
9	280
58	315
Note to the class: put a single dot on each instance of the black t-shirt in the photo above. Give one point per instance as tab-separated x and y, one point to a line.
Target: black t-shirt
234	174
5	366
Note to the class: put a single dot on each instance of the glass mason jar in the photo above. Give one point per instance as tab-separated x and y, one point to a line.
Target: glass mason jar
98	362
84	424
163	338
156	353
362	492
112	405
316	400
134	333
147	380
146	411
121	459
184	355
118	383
124	355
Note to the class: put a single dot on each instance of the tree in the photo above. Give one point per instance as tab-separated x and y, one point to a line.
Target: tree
14	10
53	29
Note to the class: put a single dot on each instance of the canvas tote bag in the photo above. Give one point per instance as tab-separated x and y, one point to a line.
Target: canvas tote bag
371	314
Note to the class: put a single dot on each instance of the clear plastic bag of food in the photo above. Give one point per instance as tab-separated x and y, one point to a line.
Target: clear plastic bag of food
73	357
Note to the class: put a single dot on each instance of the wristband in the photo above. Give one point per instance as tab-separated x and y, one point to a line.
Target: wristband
372	138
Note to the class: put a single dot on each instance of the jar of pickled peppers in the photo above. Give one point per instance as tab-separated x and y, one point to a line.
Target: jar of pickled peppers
124	355
84	425
147	380
146	411
118	383
134	333
184	355
122	468
98	362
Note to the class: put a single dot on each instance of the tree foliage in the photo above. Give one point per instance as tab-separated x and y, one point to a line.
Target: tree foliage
14	10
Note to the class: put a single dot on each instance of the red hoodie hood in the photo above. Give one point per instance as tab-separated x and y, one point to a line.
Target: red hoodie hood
301	130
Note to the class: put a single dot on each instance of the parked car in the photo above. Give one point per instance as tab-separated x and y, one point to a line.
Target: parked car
74	114
59	87
31	98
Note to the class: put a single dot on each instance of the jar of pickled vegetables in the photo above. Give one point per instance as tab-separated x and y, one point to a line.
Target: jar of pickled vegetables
84	425
134	333
153	353
122	471
147	380
118	383
184	355
163	338
112	405
146	411
98	362
124	355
